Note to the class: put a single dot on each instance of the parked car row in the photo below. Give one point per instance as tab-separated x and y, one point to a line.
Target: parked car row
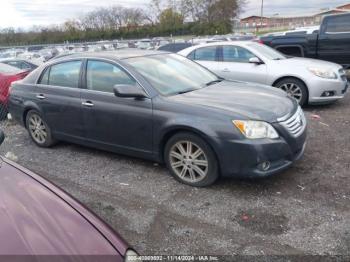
41	53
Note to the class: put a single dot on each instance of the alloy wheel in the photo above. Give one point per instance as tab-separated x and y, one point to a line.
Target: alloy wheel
293	90
37	129
188	161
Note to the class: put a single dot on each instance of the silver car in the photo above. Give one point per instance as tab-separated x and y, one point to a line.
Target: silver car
307	80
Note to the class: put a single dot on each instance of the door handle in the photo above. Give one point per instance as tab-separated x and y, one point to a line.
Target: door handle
87	103
40	96
226	70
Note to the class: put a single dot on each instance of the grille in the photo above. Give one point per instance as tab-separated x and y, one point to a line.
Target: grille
296	124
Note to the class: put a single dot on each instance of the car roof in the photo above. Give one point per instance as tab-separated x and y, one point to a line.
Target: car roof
237	43
118	54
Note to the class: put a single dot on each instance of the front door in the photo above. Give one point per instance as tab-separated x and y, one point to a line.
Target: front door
123	124
235	65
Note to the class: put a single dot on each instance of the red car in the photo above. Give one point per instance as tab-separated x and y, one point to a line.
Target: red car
38	218
8	74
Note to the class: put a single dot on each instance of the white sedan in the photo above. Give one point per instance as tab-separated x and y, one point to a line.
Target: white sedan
307	80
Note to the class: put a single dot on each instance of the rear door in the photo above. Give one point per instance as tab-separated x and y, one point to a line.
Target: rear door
123	124
334	39
58	96
235	65
207	57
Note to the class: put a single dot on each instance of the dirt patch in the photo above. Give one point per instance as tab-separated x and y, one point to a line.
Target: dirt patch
263	222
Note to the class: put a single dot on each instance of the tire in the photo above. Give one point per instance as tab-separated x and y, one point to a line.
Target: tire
295	88
38	129
3	112
199	168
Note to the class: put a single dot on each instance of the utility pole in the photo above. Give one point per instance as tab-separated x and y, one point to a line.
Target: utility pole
261	13
174	28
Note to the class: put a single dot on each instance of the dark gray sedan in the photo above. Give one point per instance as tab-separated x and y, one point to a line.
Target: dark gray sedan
165	108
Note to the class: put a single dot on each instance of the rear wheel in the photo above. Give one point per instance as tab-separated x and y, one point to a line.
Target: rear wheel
294	88
38	130
191	160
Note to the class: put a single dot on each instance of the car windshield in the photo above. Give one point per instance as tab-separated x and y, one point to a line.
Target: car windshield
6	69
172	74
268	52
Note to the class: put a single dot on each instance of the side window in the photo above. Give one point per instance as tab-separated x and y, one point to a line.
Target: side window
205	54
103	76
65	74
236	54
44	80
340	24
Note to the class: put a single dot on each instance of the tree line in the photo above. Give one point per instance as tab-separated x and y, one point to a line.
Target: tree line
160	18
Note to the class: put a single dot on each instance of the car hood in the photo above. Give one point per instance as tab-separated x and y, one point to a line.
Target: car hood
36	221
242	100
308	62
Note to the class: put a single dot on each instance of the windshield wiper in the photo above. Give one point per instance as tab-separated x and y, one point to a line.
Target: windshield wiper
214	82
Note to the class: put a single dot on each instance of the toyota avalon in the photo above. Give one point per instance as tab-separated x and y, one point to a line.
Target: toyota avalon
165	108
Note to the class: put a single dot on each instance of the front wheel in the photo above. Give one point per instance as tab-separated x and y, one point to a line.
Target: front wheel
294	88
191	160
38	130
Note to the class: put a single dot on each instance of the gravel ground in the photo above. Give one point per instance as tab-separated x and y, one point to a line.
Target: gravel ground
305	210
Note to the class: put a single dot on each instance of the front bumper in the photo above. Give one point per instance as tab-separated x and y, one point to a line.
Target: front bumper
318	86
245	158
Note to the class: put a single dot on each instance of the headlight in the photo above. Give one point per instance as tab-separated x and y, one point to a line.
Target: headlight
324	73
131	255
255	129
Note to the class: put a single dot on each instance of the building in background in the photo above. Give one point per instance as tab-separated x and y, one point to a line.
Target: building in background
255	22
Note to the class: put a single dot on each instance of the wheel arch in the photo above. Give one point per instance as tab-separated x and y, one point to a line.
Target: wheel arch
183	129
27	108
293	77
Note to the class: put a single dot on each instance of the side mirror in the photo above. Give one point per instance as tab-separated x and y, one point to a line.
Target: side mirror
255	60
129	91
2	137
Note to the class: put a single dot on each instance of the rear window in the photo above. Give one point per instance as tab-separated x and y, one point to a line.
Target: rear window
204	54
65	74
340	24
9	70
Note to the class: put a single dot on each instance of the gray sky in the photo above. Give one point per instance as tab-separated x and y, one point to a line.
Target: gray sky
25	13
